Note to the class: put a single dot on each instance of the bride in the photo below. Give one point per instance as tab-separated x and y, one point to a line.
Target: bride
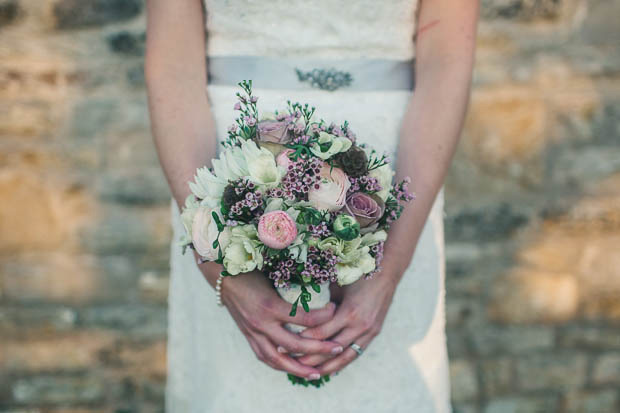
382	340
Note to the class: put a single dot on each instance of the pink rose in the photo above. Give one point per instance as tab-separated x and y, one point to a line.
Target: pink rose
277	229
283	158
273	131
367	209
331	192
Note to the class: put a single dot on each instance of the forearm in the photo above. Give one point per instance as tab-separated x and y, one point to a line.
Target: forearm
175	70
431	129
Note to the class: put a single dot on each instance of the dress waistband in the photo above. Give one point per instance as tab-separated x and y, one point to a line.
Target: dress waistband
296	74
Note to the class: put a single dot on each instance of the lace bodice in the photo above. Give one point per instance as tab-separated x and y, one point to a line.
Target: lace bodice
333	29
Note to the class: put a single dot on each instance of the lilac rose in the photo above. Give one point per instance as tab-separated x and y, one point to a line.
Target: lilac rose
367	209
273	131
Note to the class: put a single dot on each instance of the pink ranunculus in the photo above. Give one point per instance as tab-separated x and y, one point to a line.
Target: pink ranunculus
273	131
331	193
283	158
277	229
367	209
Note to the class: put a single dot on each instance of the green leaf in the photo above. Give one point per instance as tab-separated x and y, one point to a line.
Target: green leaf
306	307
294	308
216	218
315	287
226	274
216	244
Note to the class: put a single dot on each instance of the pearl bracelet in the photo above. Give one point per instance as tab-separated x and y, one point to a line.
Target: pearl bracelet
218	290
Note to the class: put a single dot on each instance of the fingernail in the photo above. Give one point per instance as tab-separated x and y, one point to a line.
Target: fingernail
314	376
337	350
281	349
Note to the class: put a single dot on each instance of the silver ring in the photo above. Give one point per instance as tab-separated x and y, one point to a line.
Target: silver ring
357	349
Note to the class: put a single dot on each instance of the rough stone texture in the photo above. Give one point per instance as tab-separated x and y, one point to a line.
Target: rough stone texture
591	401
73	14
9	10
532	213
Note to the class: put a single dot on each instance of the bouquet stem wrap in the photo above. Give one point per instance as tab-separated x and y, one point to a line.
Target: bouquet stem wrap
291	293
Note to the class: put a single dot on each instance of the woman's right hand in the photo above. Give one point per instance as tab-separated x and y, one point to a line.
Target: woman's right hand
261	314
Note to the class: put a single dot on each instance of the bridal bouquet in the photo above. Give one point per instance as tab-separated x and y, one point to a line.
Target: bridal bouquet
295	198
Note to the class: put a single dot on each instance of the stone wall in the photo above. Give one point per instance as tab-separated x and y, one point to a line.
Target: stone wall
532	226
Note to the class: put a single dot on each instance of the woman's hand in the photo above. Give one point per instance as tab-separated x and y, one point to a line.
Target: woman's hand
260	314
358	319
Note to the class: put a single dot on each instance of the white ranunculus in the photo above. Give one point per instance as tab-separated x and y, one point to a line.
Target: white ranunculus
384	175
373	238
348	273
338	144
243	255
261	165
332	243
204	233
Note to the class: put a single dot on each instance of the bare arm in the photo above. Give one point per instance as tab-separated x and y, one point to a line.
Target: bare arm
175	72
429	135
432	125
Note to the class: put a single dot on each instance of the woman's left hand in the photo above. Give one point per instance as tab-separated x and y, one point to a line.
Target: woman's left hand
358	319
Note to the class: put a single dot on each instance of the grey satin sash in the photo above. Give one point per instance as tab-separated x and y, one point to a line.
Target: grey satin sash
296	74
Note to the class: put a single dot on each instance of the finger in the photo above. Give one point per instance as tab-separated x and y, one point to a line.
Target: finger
344	338
255	348
328	329
307	319
293	343
348	355
283	362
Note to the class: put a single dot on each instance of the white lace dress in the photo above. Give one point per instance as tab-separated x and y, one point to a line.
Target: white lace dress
211	367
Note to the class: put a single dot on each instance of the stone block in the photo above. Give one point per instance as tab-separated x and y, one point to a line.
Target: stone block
92	117
590	337
140	321
464	312
498	340
484	223
523	404
590	401
55	277
529	295
123	229
599	26
77	14
458	407
497	377
39	213
144	359
18	319
552	371
27	118
607	369
464	383
127	43
522	10
505	123
9	10
130	186
58	390
71	351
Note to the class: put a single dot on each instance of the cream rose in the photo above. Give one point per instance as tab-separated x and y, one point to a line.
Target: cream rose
384	175
242	254
332	189
204	233
348	273
329	145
